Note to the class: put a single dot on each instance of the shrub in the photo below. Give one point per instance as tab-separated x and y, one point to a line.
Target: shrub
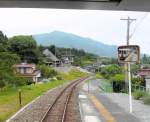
99	76
47	71
2	84
146	100
59	78
139	94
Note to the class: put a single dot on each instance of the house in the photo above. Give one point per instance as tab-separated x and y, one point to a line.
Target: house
50	58
67	59
145	73
28	71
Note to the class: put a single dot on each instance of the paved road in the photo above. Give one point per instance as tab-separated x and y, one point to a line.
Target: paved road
105	110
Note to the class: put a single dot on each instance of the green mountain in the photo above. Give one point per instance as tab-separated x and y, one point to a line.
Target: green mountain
67	40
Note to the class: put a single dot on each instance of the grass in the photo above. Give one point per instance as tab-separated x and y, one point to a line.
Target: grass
99	76
106	85
139	94
146	100
9	103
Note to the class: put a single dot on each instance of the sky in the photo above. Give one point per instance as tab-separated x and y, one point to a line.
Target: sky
100	25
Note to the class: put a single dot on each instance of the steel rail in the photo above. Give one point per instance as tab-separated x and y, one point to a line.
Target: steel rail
58	97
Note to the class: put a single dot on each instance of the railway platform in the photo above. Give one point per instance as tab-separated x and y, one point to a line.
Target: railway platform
96	107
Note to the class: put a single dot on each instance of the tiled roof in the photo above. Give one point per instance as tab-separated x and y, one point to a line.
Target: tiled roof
24	65
49	54
35	73
144	72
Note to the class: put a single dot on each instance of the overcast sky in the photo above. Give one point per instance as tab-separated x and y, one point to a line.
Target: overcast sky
104	26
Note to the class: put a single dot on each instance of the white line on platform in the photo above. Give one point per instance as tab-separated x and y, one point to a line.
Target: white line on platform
91	119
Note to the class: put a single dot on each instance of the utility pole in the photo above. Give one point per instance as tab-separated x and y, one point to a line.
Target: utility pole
129	21
127	65
55	55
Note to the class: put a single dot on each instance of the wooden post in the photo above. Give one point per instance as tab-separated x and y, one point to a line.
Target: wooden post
20	98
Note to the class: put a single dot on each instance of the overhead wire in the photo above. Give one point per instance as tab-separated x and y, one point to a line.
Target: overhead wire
138	24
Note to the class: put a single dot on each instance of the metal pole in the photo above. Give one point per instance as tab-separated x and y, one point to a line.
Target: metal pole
88	87
130	92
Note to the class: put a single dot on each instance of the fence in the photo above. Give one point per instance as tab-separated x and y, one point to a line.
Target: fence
141	88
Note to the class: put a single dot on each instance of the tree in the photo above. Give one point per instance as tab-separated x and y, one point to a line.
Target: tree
111	70
2	84
118	78
52	48
19	43
47	71
25	47
3	42
7	75
3	38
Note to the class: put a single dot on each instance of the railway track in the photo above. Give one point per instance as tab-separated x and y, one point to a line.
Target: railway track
60	109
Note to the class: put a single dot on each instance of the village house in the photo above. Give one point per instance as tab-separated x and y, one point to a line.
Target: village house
50	58
145	73
28	71
67	59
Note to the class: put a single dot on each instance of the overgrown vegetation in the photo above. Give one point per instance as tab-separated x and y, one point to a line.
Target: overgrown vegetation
139	94
9	103
47	71
146	100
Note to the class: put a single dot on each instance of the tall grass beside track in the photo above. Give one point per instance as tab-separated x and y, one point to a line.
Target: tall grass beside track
9	103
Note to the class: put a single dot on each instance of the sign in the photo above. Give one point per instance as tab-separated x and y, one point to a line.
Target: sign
130	53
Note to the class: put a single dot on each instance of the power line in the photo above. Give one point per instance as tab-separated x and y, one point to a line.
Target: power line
138	24
129	21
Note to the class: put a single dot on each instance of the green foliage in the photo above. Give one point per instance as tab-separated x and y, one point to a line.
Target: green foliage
138	81
3	38
118	78
2	84
9	97
19	43
106	85
7	75
3	42
145	59
134	68
139	94
146	100
73	74
110	70
25	47
99	76
47	71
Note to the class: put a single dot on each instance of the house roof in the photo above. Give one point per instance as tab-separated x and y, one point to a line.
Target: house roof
24	65
50	55
35	73
144	72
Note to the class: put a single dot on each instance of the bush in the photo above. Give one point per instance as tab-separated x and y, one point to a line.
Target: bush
59	78
99	76
139	94
146	100
2	85
47	71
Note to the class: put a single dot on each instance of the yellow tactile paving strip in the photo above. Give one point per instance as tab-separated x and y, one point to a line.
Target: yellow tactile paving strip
103	111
